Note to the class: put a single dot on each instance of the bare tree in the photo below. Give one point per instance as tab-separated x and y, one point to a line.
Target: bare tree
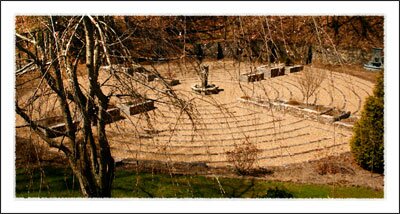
68	54
87	150
309	81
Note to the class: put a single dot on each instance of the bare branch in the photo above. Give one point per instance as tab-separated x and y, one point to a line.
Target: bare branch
35	127
26	39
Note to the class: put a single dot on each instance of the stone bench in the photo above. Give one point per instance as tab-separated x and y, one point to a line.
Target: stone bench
251	77
296	68
114	67
277	71
136	106
170	82
271	72
140	73
137	71
56	125
146	77
265	69
113	114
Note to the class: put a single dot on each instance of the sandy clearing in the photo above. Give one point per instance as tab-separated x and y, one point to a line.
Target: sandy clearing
221	122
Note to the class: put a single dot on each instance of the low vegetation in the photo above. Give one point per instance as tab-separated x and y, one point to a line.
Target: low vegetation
244	157
59	182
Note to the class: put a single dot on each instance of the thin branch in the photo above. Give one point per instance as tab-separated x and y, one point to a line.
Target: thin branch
36	127
26	39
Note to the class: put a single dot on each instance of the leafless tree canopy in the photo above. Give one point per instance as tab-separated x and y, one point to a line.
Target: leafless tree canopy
309	81
58	51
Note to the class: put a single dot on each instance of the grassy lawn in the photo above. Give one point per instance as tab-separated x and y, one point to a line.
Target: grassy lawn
59	182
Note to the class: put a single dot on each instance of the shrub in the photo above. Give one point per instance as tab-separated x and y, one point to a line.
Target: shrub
330	166
367	144
278	193
244	157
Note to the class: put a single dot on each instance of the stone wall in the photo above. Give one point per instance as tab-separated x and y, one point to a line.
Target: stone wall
297	111
347	56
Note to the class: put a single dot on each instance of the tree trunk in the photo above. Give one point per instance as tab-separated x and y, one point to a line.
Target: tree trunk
94	166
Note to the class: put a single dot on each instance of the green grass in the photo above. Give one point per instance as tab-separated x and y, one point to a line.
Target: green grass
128	184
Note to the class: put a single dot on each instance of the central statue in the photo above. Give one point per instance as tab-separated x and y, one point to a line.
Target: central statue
204	75
204	87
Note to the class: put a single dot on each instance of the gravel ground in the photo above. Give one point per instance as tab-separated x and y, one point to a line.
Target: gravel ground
218	123
221	122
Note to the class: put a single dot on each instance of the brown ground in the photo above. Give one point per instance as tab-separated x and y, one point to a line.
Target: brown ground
338	170
341	170
302	150
223	122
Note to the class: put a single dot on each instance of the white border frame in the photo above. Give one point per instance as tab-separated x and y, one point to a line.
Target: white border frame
389	9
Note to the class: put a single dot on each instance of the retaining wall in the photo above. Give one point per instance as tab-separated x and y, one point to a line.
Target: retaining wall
297	111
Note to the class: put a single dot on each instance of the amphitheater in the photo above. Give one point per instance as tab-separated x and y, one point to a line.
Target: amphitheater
220	121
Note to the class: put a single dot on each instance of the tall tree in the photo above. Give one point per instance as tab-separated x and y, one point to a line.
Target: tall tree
69	54
88	154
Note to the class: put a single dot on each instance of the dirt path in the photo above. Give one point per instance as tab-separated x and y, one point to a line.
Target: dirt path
221	122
